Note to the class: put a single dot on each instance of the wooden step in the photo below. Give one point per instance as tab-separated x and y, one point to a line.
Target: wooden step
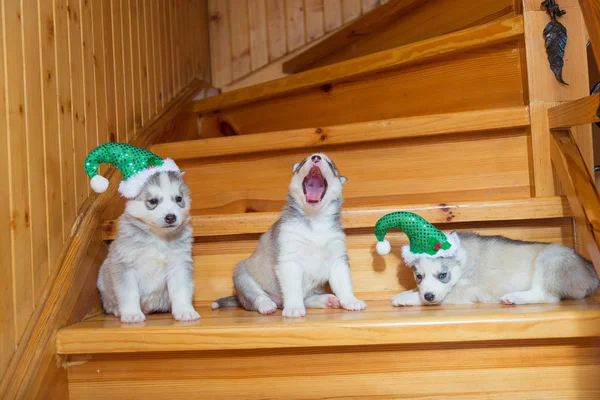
379	324
361	132
423	51
397	23
366	217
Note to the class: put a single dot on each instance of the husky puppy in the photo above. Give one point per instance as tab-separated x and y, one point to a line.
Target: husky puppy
149	264
302	251
491	269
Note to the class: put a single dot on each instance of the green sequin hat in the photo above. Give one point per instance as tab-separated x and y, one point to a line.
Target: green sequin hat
426	241
136	164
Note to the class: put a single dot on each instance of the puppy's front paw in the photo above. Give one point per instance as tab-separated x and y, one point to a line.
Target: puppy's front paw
266	306
132	316
333	302
293	311
353	304
408	298
187	315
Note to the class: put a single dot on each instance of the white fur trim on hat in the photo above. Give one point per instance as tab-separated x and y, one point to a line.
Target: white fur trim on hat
410	259
131	187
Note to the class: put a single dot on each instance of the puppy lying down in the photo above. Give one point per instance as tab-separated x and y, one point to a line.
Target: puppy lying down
301	252
463	267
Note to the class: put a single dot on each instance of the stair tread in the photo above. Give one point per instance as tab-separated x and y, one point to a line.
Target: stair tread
371	131
366	217
380	323
482	35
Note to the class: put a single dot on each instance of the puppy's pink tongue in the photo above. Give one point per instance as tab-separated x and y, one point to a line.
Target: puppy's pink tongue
314	187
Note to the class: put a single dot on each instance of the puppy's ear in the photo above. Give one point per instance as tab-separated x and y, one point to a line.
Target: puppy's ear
295	167
343	179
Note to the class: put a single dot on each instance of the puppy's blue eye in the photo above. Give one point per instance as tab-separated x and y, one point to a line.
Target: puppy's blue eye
443	275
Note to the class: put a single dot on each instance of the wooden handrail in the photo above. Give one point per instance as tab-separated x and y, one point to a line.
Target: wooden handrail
591	16
361	132
573	113
467	39
581	190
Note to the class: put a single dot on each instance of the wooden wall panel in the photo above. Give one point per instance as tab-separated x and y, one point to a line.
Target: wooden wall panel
245	35
73	74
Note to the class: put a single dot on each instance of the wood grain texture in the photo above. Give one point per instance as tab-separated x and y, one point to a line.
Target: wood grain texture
71	296
332	14
240	45
220	50
348	34
380	324
295	27
581	190
543	176
351	9
522	370
313	19
399	23
591	15
363	132
259	46
7	304
576	112
479	36
364	217
276	29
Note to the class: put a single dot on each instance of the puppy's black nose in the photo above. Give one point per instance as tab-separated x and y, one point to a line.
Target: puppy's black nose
429	296
170	218
316	158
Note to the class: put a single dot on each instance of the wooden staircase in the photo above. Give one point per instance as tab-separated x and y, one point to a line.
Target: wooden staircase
443	127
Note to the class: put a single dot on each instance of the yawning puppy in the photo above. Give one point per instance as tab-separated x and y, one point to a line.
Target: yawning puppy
302	251
149	264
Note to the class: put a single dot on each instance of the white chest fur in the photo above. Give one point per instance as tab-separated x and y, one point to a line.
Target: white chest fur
314	247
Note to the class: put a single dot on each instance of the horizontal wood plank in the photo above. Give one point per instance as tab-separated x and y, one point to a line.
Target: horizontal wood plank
573	113
364	217
398	128
379	324
517	370
484	35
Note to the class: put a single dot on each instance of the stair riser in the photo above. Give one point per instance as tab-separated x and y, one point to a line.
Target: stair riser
374	277
485	78
487	166
559	369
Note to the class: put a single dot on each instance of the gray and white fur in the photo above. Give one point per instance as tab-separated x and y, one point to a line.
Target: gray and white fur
491	269
302	251
149	265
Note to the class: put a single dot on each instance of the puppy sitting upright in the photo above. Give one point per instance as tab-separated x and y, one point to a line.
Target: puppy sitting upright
464	268
149	265
302	251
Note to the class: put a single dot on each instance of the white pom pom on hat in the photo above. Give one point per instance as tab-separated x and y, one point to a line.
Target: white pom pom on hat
99	184
383	247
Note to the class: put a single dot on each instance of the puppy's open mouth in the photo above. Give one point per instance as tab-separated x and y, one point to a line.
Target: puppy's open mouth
314	186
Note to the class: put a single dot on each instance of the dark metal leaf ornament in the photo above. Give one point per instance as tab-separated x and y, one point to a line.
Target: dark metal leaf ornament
555	34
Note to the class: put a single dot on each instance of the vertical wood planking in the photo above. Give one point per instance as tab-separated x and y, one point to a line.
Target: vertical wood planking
7	305
148	57
220	49
99	71
276	30
87	44
126	65
166	57
65	127
368	5
17	169
240	38
204	27
159	58
175	44
109	71
313	16
259	47
332	13
350	10
50	111
294	11
35	146
77	101
119	80
135	67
